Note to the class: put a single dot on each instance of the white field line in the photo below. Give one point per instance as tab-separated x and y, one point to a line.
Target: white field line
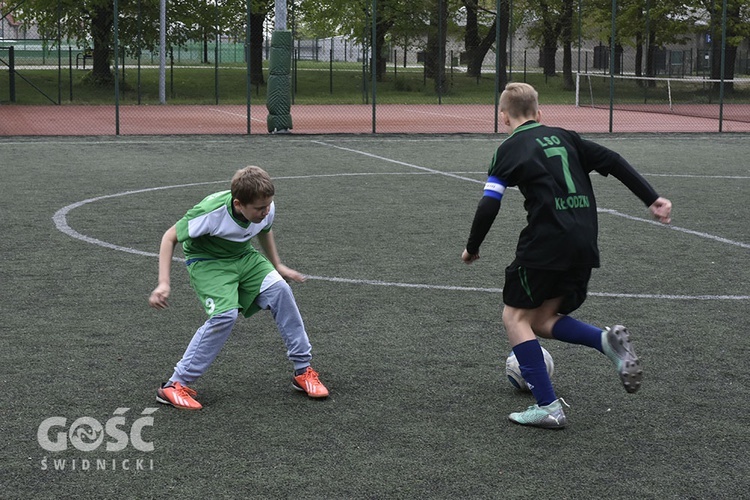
600	210
60	220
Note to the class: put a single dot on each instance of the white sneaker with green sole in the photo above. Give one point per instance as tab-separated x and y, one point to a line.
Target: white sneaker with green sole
550	416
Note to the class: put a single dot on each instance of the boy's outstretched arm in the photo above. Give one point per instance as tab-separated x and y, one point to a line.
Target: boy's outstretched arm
661	209
483	218
159	296
268	243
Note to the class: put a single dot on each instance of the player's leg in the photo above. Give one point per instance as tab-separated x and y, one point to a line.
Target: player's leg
547	412
280	300
613	342
572	288
263	287
204	347
616	345
572	331
524	294
528	351
215	283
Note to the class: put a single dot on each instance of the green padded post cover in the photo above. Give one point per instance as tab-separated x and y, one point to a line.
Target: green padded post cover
279	99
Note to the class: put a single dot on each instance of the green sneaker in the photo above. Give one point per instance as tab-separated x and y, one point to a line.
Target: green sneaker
550	416
617	347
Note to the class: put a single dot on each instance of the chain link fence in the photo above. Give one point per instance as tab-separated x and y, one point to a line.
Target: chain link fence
433	77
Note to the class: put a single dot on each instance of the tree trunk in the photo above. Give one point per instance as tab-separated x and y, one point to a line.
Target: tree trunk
566	33
434	62
549	51
730	56
471	39
101	34
550	33
205	45
474	65
568	82
638	54
256	47
381	59
650	62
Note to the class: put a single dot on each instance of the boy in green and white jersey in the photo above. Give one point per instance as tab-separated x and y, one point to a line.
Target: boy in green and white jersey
230	277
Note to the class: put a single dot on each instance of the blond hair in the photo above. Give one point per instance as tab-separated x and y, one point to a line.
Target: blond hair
251	183
519	100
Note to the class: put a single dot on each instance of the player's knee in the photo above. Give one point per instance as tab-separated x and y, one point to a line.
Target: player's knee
224	318
282	289
511	316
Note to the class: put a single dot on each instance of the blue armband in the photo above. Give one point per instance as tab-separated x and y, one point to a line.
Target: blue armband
494	188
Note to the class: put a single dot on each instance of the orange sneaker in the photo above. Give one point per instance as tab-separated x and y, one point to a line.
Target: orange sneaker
309	383
178	395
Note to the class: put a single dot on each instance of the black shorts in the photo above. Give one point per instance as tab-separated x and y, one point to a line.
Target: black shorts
527	288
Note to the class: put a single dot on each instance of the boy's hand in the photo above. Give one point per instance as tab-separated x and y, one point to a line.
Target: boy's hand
158	298
469	258
661	209
290	274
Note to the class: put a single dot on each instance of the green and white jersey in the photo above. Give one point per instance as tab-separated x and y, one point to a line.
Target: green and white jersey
209	230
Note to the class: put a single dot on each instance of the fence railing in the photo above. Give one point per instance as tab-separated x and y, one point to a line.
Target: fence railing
338	71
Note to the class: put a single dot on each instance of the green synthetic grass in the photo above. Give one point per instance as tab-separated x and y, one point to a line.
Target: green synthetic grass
418	405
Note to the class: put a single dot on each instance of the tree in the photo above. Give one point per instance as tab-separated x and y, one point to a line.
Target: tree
89	25
737	29
566	35
655	22
478	42
434	62
549	28
353	18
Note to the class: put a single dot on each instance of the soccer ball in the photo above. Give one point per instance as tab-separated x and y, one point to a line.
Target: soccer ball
513	371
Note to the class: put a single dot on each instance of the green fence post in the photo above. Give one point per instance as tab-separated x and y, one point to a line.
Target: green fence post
70	71
12	72
723	62
374	58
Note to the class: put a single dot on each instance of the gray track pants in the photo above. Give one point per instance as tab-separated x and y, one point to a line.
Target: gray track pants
210	338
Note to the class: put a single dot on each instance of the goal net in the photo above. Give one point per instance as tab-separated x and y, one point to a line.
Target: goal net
697	97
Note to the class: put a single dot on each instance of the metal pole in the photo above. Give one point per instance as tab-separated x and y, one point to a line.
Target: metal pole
374	59
70	72
248	82
441	56
612	64
280	15
510	42
648	48
59	53
580	9
117	71
138	84
162	51
12	73
497	63
330	68
216	52
723	62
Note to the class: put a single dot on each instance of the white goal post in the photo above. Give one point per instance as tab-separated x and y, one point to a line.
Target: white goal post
593	88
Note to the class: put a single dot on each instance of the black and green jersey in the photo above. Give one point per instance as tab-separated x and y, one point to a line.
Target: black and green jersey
551	167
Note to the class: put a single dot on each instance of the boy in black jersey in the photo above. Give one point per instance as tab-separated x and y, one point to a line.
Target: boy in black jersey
557	250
